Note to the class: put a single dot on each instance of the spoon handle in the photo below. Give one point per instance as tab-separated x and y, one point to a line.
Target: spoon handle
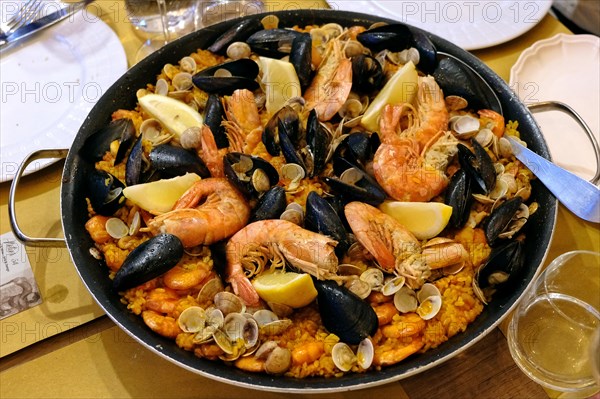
578	195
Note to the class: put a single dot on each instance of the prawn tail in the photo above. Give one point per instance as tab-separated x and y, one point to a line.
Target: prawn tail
210	153
244	289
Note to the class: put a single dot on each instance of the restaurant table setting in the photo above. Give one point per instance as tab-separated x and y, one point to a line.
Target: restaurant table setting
50	84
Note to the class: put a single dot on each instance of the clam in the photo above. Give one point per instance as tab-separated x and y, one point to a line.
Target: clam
116	228
210	289
161	87
374	277
393	285
278	361
192	319
151	130
293	214
187	64
465	126
190	138
429	307
182	81
343	356
264	316
136	223
238	50
228	303
349	269
405	300
170	70
485	137
280	309
426	291
360	288
365	353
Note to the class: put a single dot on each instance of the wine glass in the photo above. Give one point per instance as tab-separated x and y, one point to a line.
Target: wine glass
160	21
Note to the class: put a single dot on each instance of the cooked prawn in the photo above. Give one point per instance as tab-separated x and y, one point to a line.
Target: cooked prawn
496	120
188	277
310	252
383	236
210	153
398	165
331	85
432	115
209	211
243	125
385	356
162	325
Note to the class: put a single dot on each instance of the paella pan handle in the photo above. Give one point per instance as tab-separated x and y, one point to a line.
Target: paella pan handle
559	106
22	237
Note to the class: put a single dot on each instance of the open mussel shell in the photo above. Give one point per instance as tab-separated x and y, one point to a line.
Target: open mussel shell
274	43
318	140
148	260
500	219
354	184
171	161
105	192
251	175
237	33
322	218
392	37
301	58
343	313
134	166
367	73
286	121
98	143
501	269
227	77
478	165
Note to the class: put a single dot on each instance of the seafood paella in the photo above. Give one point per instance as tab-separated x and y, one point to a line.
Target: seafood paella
308	201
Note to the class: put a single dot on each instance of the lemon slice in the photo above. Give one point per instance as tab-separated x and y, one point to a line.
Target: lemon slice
401	88
174	115
160	196
292	289
424	219
280	82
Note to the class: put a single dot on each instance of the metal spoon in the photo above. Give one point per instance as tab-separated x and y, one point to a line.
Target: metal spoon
578	195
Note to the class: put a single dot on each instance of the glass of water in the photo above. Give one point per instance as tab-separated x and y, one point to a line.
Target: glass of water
215	11
551	336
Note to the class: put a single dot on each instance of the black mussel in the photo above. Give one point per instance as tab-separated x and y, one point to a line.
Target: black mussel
318	141
133	167
287	120
478	165
270	206
171	161
105	192
427	51
344	313
393	37
213	116
227	77
251	175
356	185
367	73
289	148
301	58
502	267
275	43
149	260
500	219
457	78
459	195
322	218
237	33
98	143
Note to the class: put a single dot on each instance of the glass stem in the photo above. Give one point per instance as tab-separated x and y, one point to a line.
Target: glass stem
162	8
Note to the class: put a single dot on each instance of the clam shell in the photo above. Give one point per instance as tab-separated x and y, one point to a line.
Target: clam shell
182	81
276	327
187	64
210	289
359	287
405	300
429	307
278	361
365	353
426	291
393	285
136	223
264	316
343	357
348	269
228	303
465	126
374	277
238	50
292	171
192	319
116	228
162	87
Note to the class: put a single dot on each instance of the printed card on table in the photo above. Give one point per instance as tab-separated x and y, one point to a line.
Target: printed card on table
18	289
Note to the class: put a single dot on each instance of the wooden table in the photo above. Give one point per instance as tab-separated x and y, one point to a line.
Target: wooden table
67	348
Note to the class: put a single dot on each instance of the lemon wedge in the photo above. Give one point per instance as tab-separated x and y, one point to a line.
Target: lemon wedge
424	219
280	83
160	196
174	115
401	88
292	289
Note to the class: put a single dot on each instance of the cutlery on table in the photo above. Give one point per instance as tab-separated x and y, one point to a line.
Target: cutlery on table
23	25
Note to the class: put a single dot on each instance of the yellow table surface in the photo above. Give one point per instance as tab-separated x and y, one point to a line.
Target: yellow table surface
67	348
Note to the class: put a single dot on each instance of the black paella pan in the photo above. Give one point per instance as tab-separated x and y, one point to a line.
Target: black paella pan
95	276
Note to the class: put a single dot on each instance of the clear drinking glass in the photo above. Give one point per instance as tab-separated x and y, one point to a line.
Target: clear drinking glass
146	17
551	334
215	11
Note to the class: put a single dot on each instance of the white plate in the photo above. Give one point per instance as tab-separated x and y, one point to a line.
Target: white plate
471	25
49	85
563	68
